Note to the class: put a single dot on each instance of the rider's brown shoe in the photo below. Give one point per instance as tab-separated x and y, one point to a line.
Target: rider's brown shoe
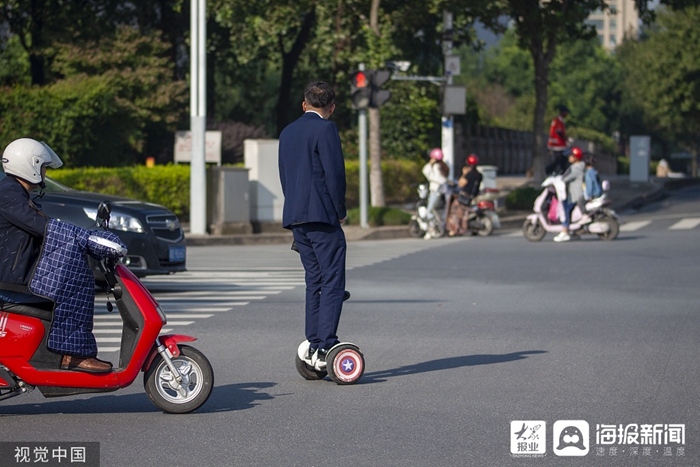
91	365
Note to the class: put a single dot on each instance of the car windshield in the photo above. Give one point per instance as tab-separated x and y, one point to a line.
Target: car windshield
52	186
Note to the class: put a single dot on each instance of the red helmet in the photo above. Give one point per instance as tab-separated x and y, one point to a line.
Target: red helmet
577	153
436	154
472	159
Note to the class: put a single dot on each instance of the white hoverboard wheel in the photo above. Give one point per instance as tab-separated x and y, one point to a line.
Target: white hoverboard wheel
345	363
305	370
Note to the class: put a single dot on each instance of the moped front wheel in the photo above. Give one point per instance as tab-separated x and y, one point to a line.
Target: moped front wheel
414	229
533	232
186	396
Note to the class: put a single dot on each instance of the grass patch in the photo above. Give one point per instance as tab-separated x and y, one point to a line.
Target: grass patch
378	216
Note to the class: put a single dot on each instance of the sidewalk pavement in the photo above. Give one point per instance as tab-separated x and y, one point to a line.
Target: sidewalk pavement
624	194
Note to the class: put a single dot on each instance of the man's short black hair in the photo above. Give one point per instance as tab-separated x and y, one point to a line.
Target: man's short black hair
319	95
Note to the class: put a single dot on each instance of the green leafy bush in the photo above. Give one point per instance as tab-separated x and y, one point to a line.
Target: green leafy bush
168	185
380	216
522	198
623	166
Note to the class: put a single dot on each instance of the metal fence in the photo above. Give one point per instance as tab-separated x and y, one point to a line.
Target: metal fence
511	150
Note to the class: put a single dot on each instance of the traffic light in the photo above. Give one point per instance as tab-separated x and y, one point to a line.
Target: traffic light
361	89
379	96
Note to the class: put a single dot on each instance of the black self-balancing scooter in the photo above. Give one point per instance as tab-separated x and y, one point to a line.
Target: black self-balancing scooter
345	363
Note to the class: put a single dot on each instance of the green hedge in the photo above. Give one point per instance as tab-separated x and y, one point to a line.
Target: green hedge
623	166
522	198
168	185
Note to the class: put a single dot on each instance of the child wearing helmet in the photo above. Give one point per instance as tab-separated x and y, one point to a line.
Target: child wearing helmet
573	177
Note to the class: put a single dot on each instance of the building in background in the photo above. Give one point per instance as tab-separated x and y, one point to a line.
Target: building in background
619	21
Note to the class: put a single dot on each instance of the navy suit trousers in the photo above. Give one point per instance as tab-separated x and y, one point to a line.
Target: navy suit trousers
322	249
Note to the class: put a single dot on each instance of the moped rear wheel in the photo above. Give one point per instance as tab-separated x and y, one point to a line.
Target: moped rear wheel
487	224
197	382
613	228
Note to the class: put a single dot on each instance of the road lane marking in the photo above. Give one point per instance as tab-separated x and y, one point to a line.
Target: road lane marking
686	224
632	226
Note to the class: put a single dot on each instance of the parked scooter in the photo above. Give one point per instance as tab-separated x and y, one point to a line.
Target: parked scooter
483	217
177	378
420	224
548	211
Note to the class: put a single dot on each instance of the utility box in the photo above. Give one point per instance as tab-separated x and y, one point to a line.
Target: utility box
640	150
489	176
228	201
266	197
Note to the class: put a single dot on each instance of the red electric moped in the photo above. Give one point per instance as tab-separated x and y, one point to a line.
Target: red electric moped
177	378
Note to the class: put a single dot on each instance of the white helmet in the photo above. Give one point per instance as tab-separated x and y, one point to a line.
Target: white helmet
24	158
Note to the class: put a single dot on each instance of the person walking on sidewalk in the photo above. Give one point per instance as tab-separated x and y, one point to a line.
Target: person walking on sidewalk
312	174
573	177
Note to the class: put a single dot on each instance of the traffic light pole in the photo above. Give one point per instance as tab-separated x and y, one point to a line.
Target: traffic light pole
362	127
198	117
448	127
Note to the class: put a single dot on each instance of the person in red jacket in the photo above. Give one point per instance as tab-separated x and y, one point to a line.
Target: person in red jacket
556	144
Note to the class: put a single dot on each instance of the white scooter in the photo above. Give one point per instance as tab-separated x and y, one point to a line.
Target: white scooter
420	222
549	212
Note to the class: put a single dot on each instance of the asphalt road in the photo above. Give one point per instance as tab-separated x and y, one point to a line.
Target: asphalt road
461	337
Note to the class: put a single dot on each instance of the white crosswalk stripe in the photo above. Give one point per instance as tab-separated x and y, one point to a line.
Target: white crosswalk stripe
686	224
632	226
258	272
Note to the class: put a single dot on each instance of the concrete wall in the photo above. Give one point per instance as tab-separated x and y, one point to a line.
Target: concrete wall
266	198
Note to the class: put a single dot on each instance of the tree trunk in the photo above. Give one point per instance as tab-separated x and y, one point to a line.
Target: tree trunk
36	51
694	162
375	145
289	64
539	147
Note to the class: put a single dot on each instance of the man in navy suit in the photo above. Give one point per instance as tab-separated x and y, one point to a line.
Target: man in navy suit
312	172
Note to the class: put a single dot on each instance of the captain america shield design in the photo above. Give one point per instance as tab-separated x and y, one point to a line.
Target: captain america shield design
348	365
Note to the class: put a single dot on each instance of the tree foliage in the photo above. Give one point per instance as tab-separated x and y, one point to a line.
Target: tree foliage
111	94
662	76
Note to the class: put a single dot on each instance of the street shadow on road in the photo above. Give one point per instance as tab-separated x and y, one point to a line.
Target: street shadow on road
352	301
227	398
446	364
234	397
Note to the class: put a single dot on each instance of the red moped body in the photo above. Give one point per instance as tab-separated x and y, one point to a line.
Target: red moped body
24	332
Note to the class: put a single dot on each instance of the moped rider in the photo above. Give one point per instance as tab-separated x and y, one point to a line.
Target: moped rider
436	171
573	177
468	188
23	229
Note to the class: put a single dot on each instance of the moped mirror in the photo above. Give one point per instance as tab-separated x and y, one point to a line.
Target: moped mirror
103	212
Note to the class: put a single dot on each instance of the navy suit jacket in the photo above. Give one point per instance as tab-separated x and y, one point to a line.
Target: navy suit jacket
312	172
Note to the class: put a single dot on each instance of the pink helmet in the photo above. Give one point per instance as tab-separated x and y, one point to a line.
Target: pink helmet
436	154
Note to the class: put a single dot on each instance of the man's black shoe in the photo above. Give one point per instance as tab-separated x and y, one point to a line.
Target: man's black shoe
346	295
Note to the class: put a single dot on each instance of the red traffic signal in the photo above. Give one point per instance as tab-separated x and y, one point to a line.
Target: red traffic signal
360	89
